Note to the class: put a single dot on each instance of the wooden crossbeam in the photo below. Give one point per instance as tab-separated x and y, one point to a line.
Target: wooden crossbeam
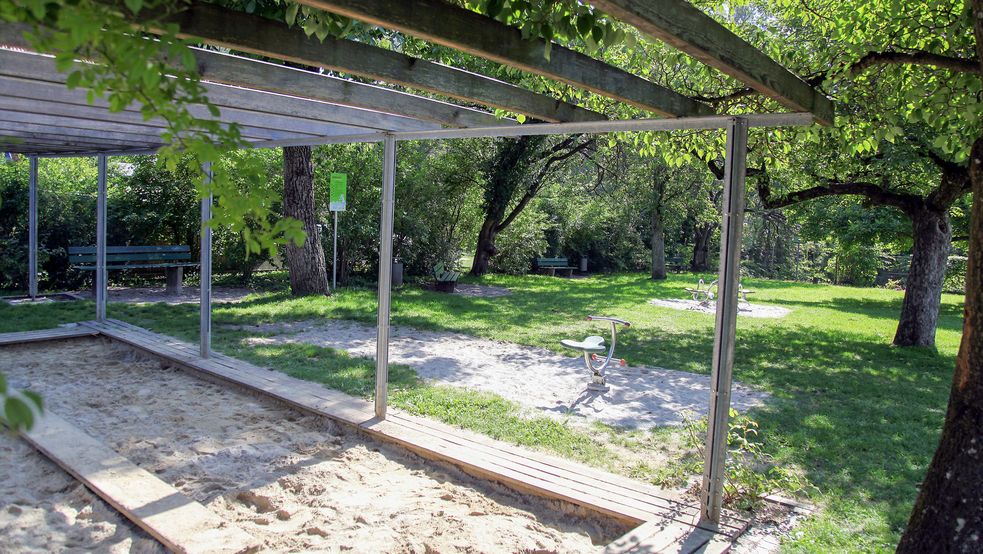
234	70
683	26
261	76
261	36
442	23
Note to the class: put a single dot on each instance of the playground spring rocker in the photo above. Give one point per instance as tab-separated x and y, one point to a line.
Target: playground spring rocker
592	346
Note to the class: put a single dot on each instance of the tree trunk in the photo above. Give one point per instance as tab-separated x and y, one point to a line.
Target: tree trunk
658	226
701	248
308	272
658	250
923	289
486	246
948	515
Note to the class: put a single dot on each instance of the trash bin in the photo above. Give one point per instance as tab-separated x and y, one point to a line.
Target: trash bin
583	264
397	274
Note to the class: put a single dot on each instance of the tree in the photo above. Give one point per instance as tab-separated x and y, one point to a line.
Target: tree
520	167
948	514
308	272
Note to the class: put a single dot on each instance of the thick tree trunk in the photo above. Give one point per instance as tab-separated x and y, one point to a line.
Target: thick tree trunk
701	248
923	289
658	242
486	246
308	272
948	515
658	250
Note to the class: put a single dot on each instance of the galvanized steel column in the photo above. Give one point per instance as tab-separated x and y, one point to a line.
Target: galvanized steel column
385	275
728	280
32	229
205	274
101	274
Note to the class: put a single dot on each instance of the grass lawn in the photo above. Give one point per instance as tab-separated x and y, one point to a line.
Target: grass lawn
857	417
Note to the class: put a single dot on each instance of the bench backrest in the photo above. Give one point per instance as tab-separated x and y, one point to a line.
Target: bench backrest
87	254
552	262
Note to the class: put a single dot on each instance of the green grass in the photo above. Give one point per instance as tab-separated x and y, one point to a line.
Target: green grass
859	418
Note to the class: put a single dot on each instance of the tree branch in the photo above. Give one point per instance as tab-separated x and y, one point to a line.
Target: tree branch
907	203
541	175
962	65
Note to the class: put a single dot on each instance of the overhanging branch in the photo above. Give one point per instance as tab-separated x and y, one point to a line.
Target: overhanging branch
962	65
905	202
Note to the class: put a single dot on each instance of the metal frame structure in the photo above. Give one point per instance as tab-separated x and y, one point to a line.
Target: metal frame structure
277	106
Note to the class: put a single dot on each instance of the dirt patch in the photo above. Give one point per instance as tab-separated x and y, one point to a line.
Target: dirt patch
44	509
481	291
552	384
295	481
744	309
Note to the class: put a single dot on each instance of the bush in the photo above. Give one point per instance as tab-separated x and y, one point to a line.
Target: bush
955	275
521	241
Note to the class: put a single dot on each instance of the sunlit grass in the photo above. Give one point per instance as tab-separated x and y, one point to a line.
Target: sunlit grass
859	417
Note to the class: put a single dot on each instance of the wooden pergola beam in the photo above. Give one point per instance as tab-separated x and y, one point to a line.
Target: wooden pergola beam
234	70
467	31
683	26
240	31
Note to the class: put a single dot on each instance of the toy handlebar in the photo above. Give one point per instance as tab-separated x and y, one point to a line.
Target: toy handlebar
611	319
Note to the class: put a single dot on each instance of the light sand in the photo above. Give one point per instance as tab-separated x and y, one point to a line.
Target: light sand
554	385
297	482
44	509
744	309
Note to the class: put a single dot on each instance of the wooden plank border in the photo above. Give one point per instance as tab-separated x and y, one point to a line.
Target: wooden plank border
178	522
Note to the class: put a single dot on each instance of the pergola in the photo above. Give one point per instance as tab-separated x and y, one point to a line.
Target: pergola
275	105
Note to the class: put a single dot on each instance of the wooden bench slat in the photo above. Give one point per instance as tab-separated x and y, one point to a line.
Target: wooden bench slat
150	257
138	266
131	249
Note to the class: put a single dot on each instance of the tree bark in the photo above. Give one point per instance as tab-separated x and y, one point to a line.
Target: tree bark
305	263
486	246
948	514
701	248
658	242
932	235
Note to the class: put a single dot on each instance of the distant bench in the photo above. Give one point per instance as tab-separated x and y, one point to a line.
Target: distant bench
171	258
552	265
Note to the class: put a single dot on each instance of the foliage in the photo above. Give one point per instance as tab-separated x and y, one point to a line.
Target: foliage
130	70
20	407
750	473
522	241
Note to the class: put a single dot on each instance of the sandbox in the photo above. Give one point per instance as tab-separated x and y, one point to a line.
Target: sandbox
294	481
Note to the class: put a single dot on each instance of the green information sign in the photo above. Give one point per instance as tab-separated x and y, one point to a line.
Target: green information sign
339	192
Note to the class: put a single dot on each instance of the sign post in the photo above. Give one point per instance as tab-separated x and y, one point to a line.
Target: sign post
338	203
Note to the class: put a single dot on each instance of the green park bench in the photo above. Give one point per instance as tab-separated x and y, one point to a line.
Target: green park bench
171	258
552	265
677	264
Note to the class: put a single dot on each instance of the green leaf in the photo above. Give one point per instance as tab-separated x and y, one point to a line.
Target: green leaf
291	15
17	413
134	5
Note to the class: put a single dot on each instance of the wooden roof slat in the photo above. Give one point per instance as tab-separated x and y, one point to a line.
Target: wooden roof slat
237	30
254	74
464	30
683	26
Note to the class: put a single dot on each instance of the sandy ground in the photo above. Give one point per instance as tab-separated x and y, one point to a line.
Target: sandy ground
296	482
44	509
536	378
481	291
189	295
744	309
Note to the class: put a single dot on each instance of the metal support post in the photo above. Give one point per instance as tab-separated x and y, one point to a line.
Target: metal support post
205	285
334	257
385	275
32	230
101	273
728	281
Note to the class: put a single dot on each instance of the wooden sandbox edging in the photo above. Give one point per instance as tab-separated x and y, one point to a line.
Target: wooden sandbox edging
664	522
178	522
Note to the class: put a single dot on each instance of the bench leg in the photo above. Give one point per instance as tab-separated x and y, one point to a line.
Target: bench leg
175	278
